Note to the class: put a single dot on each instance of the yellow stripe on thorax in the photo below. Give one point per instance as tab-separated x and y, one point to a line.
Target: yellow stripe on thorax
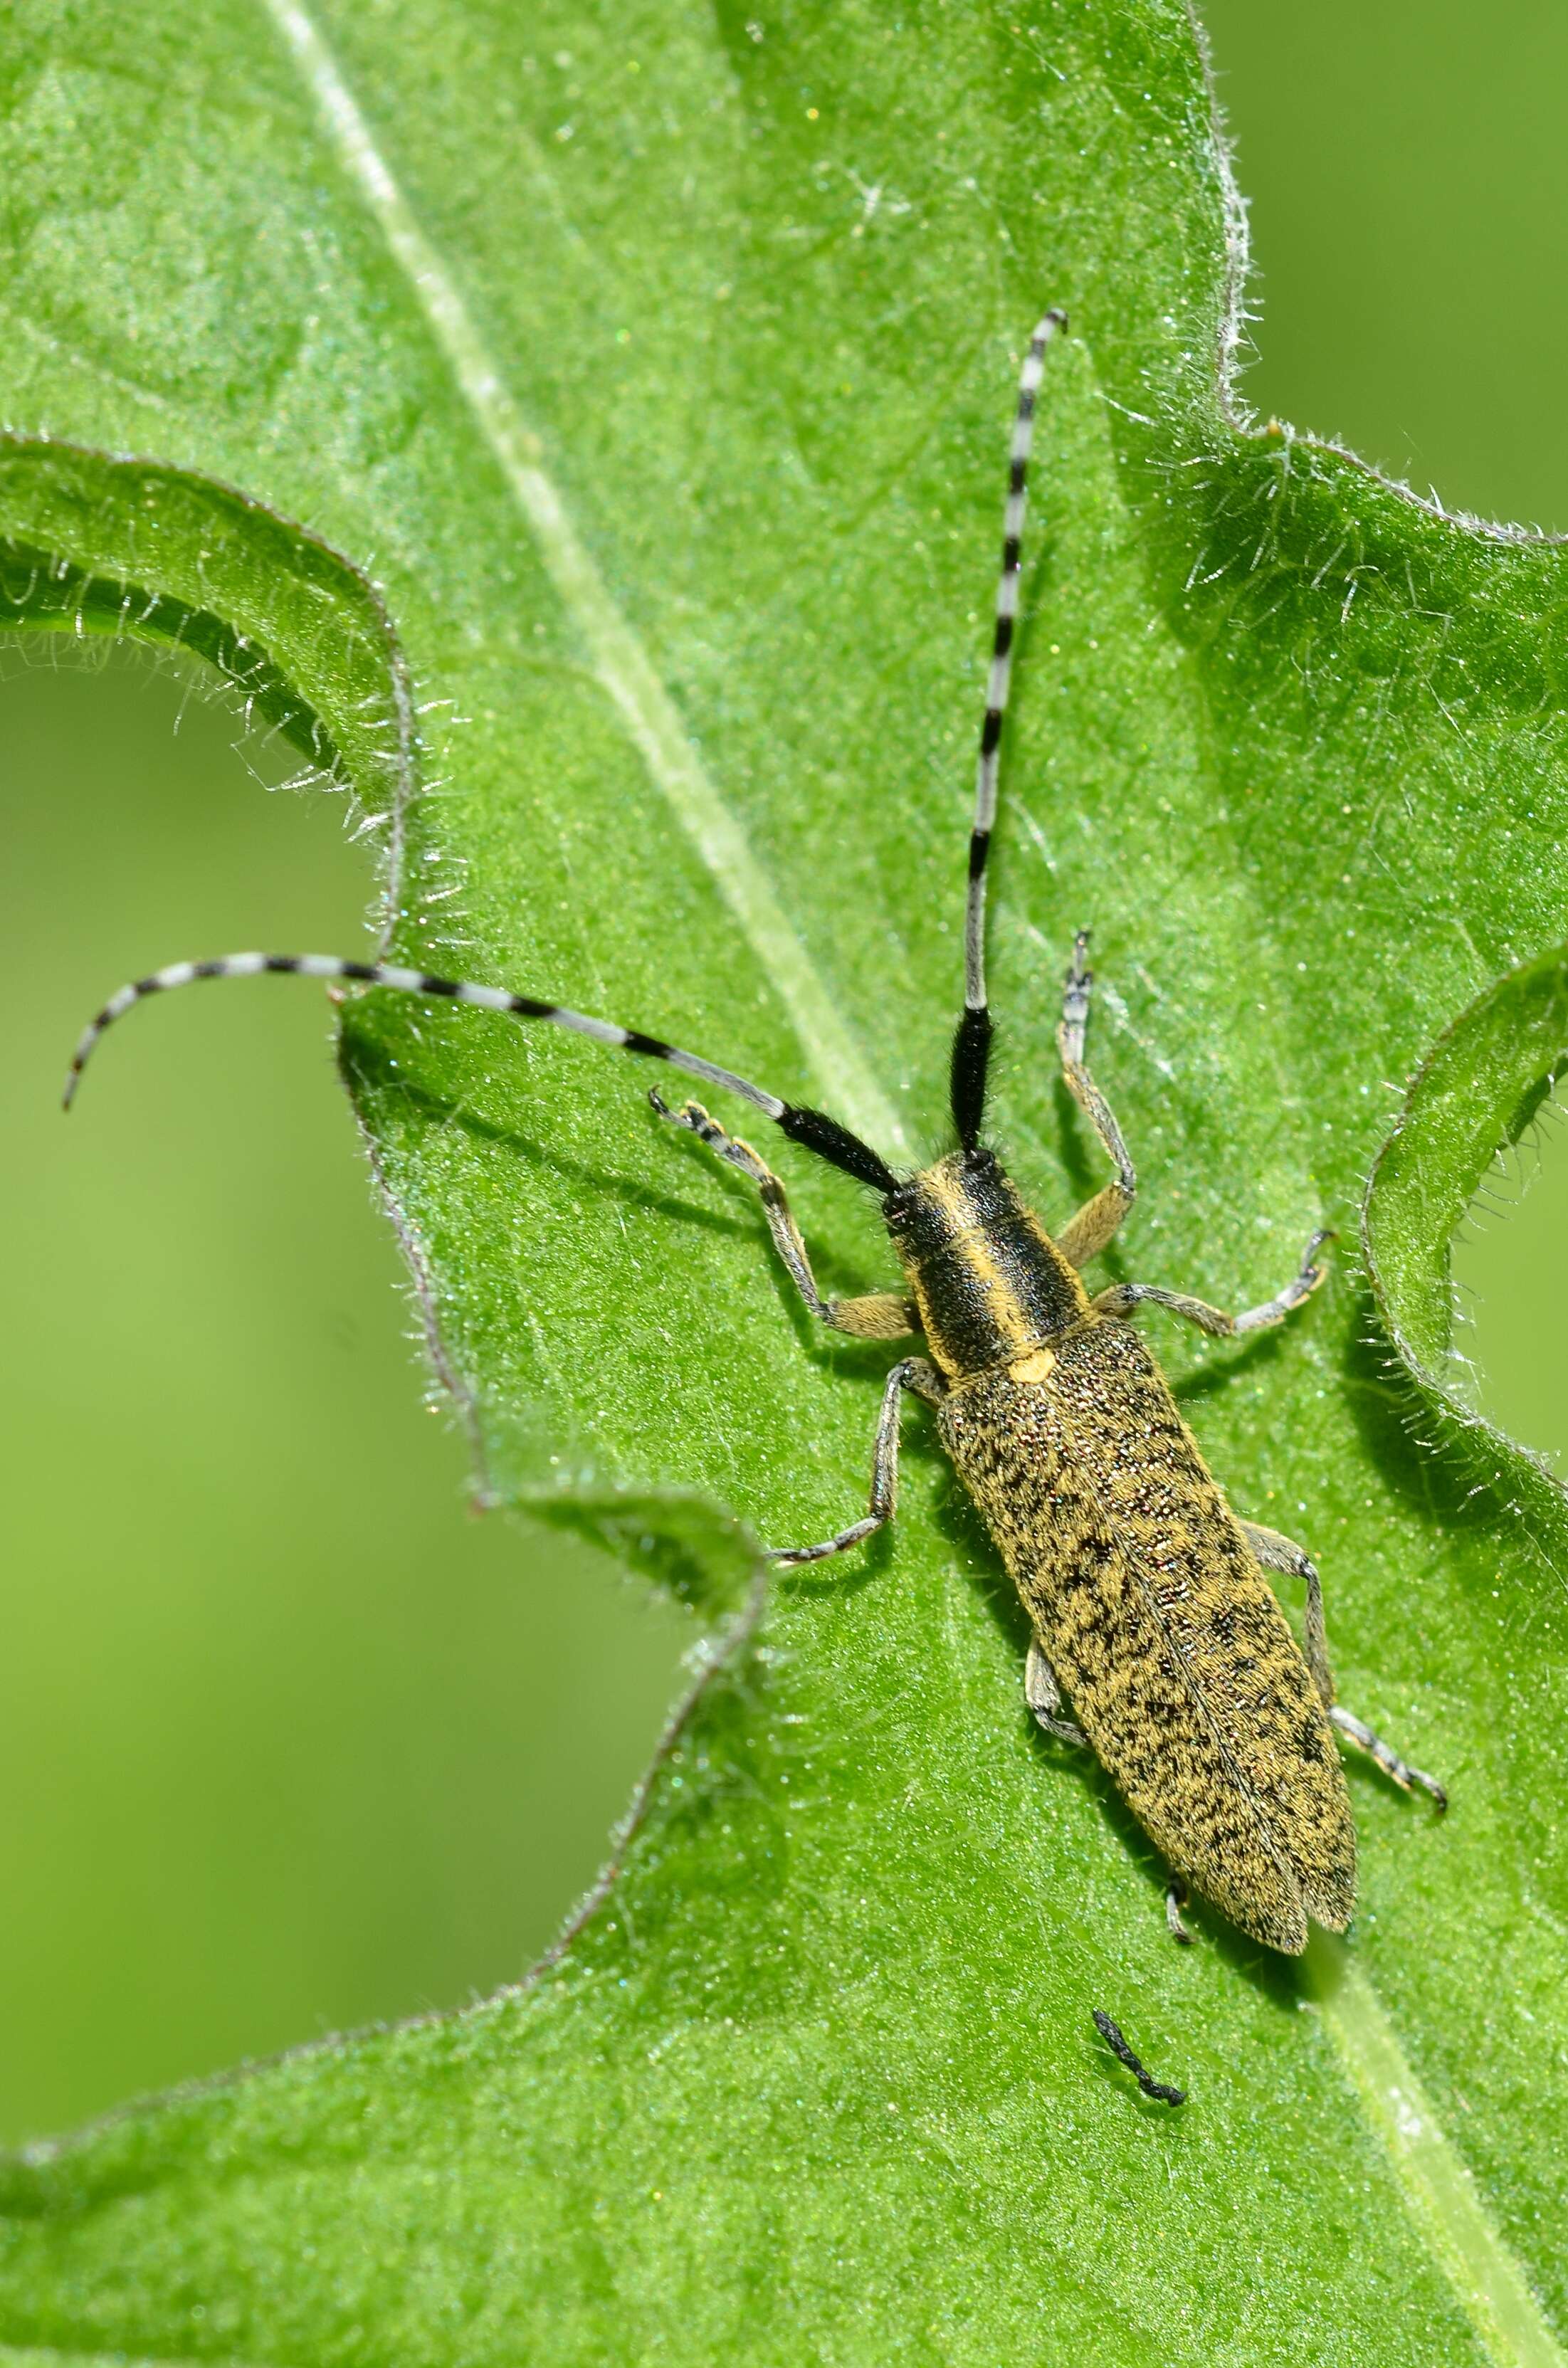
978	1266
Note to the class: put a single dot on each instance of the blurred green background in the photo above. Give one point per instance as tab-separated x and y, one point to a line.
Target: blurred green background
288	1740
1407	177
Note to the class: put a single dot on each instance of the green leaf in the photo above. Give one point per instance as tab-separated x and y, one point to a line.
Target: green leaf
1479	1088
658	375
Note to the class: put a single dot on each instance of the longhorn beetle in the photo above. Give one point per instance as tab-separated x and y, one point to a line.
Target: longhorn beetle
1146	1593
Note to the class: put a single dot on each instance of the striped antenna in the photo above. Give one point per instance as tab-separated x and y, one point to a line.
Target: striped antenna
808	1127
971	1044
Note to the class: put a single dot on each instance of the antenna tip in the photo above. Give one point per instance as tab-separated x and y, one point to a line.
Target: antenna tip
1053	324
78	1063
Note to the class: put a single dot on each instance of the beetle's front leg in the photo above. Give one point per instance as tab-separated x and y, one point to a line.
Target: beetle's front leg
1123	1297
1276	1552
878	1315
1097	1220
915	1375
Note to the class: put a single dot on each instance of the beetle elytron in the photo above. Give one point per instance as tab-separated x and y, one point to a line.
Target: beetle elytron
1146	1593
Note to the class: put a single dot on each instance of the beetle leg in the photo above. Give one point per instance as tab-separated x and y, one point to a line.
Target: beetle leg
1043	1696
1387	1759
1097	1220
1301	1285
878	1315
1123	1297
1086	1234
1278	1552
915	1375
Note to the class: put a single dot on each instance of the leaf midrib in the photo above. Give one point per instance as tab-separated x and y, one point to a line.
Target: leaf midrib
622	665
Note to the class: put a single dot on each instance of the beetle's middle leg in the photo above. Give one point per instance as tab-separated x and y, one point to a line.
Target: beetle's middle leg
1278	1552
878	1315
1097	1220
915	1375
1123	1297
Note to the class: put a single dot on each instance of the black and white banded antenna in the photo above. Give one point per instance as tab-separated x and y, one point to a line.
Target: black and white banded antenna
971	1044
810	1128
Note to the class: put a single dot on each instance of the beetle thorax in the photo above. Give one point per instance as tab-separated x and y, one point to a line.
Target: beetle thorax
991	1285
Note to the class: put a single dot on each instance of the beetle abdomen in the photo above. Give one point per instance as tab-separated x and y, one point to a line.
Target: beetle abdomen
1181	1665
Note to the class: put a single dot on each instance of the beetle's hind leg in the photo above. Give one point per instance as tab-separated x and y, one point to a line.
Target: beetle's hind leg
1097	1220
1385	1755
878	1315
1043	1695
1276	1552
915	1375
1176	1896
